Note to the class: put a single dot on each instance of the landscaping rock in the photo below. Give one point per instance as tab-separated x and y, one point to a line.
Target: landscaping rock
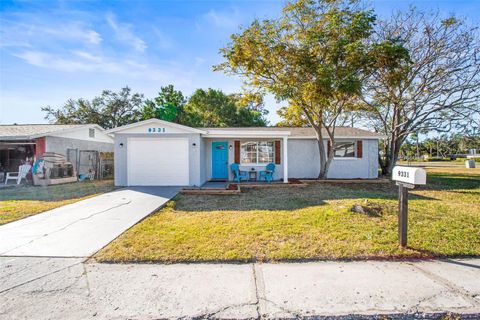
358	209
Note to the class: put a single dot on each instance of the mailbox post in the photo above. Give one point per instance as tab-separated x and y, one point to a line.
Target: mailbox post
407	178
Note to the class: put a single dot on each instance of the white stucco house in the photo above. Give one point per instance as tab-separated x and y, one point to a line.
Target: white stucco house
159	153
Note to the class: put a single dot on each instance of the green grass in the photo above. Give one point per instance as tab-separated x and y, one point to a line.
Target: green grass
315	222
20	202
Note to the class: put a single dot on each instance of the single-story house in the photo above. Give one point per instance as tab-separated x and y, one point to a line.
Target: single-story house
156	152
26	142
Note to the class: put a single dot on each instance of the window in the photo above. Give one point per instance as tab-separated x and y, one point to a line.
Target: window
91	133
344	149
254	152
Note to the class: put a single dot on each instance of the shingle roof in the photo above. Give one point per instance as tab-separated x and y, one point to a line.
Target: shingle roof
305	131
29	131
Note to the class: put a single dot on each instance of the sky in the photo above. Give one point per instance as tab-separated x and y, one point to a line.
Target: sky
51	51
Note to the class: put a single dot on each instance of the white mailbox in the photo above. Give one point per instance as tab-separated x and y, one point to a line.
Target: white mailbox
410	175
407	178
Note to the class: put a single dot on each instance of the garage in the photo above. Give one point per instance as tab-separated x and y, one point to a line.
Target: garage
155	161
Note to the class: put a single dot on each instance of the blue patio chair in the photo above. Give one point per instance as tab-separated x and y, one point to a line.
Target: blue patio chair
267	174
237	174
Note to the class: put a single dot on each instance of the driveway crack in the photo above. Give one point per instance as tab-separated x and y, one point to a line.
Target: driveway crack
67	225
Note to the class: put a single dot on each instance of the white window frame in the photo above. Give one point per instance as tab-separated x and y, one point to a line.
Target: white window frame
257	152
354	150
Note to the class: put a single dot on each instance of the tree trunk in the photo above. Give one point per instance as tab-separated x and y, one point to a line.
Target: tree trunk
321	151
394	144
393	156
325	157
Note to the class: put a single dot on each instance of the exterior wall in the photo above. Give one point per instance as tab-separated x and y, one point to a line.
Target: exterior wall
203	163
40	147
121	155
278	175
60	145
303	158
83	134
304	161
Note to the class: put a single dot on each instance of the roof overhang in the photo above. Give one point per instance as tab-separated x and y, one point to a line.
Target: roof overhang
341	137
46	134
246	134
156	122
15	138
49	133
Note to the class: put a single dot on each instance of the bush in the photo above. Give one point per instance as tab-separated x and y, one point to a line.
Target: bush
438	159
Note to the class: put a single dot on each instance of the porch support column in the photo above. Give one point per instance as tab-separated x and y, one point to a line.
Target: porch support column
285	159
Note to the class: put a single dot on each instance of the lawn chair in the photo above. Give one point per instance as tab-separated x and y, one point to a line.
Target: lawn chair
21	174
237	174
267	174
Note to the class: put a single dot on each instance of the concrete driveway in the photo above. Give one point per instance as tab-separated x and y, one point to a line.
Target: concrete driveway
81	229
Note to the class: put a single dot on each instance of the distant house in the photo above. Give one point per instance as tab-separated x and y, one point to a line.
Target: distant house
22	142
473	154
156	152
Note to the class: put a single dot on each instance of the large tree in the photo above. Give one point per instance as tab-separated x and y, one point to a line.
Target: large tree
213	108
438	89
109	110
168	105
314	57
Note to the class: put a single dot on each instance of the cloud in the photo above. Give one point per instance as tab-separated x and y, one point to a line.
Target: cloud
199	61
85	62
86	55
163	40
21	34
93	37
223	19
124	33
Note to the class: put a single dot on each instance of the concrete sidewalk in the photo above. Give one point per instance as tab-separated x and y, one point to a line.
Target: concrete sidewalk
46	288
82	228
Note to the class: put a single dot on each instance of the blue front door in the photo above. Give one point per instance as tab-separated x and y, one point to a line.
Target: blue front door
220	160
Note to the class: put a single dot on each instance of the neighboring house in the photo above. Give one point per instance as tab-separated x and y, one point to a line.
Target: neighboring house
156	152
21	142
473	154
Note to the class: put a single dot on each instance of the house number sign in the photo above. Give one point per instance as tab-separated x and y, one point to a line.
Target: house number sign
156	130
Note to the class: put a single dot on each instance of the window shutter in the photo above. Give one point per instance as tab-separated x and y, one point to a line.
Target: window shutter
278	157
359	148
236	156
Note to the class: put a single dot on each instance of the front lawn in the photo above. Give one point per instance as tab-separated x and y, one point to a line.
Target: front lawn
20	202
315	222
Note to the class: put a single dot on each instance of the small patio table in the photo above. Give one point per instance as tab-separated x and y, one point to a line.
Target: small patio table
252	175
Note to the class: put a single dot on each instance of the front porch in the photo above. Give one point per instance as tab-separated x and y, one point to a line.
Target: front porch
251	150
225	184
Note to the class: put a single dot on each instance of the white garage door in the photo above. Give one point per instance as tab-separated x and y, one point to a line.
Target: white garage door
158	162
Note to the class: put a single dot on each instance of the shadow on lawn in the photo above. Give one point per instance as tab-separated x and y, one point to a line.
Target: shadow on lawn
291	198
56	192
318	193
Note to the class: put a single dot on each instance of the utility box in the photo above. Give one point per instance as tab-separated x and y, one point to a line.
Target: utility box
470	164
